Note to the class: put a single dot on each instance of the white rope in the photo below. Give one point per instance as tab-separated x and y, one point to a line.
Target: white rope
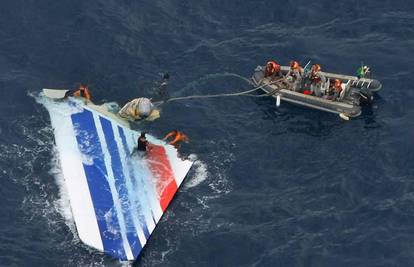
243	93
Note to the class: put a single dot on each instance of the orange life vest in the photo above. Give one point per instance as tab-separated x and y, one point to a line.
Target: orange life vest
272	68
82	92
179	137
294	65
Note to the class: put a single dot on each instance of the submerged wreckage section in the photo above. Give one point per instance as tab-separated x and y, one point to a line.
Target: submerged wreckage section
117	197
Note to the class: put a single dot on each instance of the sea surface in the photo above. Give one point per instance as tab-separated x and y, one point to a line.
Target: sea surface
271	186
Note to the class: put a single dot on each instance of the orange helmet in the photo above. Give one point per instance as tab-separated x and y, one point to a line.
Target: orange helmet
316	68
294	65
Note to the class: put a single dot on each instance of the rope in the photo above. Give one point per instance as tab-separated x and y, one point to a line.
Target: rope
243	93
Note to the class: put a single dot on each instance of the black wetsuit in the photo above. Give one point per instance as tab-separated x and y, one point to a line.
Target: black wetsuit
142	144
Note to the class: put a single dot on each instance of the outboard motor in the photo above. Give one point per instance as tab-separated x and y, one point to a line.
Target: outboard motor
366	96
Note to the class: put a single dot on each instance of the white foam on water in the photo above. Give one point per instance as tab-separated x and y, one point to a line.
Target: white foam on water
126	264
200	172
220	185
62	203
222	161
168	251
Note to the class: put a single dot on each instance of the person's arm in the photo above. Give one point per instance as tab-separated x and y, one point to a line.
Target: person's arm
168	136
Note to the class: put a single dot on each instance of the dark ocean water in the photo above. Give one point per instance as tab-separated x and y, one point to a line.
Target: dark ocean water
273	186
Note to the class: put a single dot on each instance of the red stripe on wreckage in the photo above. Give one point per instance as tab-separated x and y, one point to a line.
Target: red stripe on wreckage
160	166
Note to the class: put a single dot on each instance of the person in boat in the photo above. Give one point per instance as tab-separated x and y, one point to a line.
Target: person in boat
136	109
330	91
337	88
295	75
363	72
177	136
295	68
82	91
315	71
316	80
272	70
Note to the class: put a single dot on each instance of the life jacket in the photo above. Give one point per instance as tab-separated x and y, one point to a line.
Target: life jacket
294	65
296	71
315	78
82	92
272	68
179	137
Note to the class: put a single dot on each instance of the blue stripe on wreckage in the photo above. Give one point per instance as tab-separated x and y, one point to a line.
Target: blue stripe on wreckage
119	176
96	173
127	150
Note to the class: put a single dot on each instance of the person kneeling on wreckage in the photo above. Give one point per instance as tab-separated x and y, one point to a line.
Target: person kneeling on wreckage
142	145
82	91
138	108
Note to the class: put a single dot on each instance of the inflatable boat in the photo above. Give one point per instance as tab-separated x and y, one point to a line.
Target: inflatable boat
355	92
